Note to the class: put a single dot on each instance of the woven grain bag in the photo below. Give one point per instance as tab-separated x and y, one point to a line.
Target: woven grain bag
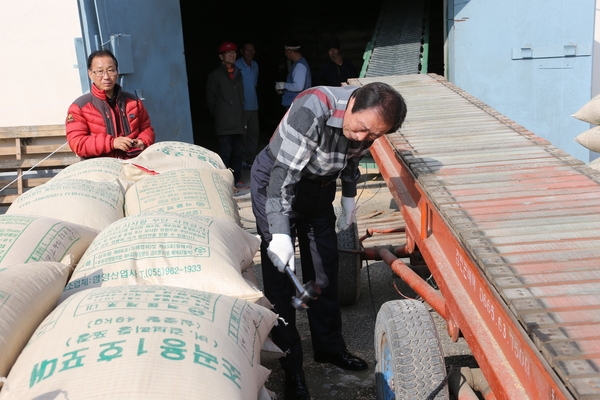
595	164
590	139
171	155
145	342
102	169
179	250
31	238
590	112
28	293
185	191
80	201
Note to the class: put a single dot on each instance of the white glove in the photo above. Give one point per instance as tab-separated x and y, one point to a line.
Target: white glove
281	251
348	211
279	85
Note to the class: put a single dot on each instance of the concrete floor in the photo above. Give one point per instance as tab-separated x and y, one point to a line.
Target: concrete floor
378	285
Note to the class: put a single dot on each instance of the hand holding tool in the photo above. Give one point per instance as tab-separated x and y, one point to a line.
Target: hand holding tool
310	291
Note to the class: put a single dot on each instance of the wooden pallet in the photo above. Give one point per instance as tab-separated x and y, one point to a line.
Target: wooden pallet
29	157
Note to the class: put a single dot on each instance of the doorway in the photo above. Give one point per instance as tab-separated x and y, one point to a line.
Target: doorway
267	24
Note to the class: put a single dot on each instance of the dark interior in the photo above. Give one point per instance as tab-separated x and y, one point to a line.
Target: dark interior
268	24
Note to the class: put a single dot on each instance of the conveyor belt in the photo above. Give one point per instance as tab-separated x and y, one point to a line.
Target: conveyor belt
525	211
397	47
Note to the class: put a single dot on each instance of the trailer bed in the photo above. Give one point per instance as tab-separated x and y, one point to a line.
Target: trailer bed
508	225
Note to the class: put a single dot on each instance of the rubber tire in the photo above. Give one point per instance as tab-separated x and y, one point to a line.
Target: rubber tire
408	353
349	266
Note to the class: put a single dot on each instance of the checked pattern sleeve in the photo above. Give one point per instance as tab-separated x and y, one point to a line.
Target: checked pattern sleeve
309	142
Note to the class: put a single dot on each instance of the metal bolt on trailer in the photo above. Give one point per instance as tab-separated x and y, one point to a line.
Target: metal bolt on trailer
507	226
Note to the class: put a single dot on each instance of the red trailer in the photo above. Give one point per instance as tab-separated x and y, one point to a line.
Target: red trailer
509	227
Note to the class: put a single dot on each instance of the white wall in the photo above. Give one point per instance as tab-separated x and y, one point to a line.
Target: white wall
39	78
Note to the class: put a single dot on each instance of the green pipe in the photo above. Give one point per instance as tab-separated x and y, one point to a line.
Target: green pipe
425	53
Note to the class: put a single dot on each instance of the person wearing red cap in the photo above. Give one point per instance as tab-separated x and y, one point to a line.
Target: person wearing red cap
225	99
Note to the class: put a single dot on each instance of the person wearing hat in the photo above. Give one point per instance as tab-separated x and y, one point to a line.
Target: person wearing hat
298	79
321	138
336	70
225	100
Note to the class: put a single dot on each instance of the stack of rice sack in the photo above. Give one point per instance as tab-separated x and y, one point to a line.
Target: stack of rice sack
144	342
158	305
37	255
590	139
89	193
161	248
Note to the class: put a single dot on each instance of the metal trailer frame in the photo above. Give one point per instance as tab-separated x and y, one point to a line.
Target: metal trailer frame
470	305
512	367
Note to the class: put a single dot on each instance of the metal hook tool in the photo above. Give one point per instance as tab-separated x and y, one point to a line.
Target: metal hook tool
310	291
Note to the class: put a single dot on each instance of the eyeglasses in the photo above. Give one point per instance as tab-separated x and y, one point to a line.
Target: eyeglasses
110	72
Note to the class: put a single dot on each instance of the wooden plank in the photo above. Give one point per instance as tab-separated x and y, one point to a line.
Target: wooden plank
555	304
547	292
471	172
32	131
554	333
559	319
54	161
503	270
580	376
571	255
556	278
8	199
26	148
553	249
27	182
483	214
521	203
498	174
47	149
516	179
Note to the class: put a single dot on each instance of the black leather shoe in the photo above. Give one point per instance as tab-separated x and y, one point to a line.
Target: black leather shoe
344	360
295	386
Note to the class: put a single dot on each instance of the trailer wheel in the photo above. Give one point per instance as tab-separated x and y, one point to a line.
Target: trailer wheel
410	362
349	266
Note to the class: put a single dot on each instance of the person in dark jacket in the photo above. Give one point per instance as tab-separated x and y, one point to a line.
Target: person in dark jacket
337	70
225	99
107	122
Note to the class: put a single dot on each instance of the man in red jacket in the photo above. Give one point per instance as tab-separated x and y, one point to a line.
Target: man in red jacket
107	122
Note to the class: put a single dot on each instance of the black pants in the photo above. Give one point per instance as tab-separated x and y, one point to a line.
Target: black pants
313	222
231	151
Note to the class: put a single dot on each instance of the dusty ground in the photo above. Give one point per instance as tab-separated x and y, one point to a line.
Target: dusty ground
375	207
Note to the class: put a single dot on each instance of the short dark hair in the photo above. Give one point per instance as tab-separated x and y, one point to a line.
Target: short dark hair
389	103
101	53
332	44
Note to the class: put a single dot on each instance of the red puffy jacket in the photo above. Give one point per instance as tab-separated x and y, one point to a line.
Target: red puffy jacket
92	126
